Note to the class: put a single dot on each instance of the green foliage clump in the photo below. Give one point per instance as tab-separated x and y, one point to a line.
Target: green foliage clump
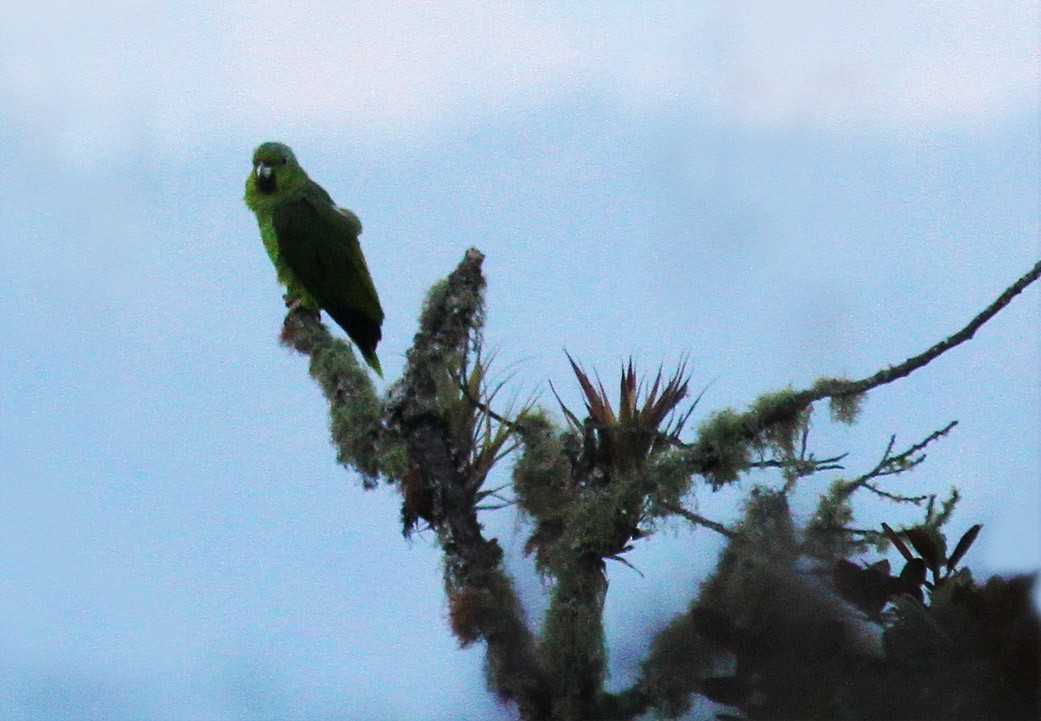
724	439
729	442
434	300
844	407
768	522
669	478
970	652
680	657
605	519
778	420
543	484
542	472
824	536
771	638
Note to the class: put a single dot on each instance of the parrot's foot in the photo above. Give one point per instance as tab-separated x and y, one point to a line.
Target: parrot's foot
297	329
296	305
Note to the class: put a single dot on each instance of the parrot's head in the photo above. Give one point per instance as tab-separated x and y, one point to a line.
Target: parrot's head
275	174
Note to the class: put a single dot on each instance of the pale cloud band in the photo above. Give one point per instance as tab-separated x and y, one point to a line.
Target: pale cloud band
389	75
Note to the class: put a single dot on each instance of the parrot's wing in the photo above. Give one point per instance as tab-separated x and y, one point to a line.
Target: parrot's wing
350	216
320	245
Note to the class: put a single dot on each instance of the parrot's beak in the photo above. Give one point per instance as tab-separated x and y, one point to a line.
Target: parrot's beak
265	178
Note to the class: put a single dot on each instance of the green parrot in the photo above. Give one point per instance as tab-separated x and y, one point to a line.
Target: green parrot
314	247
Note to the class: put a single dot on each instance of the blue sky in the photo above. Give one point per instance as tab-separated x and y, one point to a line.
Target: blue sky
778	193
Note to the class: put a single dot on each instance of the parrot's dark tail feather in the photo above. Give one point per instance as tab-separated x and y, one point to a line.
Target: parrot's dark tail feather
363	330
373	362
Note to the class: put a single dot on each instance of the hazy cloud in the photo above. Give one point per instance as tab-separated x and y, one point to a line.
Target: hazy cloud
92	77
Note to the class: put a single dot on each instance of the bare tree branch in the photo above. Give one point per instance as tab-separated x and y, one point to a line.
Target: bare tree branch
838	387
699	520
715	456
902	462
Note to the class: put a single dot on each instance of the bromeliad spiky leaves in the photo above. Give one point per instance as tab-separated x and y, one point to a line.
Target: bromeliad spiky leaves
628	437
314	247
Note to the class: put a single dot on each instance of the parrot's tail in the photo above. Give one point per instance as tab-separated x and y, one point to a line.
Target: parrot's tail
361	329
373	362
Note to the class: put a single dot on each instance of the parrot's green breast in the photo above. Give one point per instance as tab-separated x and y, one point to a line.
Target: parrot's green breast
294	288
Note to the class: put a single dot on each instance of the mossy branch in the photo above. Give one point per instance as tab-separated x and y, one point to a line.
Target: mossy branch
590	488
482	598
354	410
411	439
832	388
727	442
